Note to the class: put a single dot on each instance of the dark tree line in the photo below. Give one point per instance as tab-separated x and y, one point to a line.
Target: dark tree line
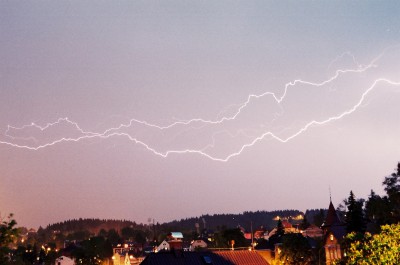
90	224
95	237
369	215
257	218
372	214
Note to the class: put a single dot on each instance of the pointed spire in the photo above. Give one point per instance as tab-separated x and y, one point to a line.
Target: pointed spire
332	218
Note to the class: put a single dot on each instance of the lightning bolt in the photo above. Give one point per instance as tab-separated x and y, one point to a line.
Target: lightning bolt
43	128
115	131
247	102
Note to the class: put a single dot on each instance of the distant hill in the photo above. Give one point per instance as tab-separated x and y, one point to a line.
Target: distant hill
265	219
93	226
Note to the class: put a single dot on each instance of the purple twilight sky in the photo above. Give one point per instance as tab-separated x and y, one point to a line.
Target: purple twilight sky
173	109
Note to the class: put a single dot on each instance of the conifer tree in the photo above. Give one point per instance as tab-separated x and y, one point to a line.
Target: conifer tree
319	217
304	224
280	230
392	188
355	221
377	209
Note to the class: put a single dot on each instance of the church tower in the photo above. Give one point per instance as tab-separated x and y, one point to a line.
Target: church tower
334	232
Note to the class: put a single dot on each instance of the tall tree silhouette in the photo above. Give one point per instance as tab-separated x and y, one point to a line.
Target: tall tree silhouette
355	221
280	230
378	210
392	188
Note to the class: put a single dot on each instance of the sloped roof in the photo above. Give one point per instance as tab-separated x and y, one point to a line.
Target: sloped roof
332	217
177	235
286	224
237	257
244	257
334	224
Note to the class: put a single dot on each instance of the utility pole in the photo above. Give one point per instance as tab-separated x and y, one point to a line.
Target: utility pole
154	231
252	236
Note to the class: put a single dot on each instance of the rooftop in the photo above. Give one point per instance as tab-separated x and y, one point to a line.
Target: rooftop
236	257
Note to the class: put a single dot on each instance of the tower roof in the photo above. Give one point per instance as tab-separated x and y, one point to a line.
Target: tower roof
332	217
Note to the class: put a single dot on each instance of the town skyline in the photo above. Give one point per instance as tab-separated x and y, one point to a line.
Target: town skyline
173	110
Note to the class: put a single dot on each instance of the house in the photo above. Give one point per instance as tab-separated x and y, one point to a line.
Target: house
175	240
63	260
230	257
258	234
197	244
313	231
334	232
164	246
289	227
125	259
131	247
207	235
127	254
